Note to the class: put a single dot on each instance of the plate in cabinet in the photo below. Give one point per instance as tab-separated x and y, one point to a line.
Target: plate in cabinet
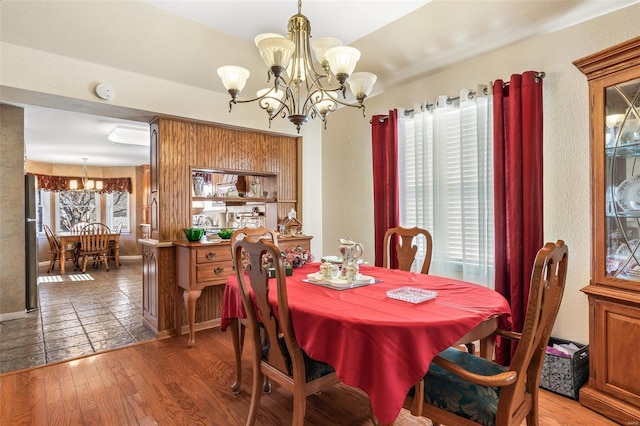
628	194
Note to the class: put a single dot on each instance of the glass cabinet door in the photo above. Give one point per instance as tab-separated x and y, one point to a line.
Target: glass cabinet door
622	179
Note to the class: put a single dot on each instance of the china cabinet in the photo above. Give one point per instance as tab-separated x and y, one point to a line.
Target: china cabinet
613	388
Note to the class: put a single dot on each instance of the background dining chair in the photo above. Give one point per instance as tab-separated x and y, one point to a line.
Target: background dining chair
251	234
405	249
94	243
281	359
112	243
464	389
79	226
54	250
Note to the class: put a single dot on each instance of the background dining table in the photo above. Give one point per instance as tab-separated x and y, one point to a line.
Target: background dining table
378	344
71	238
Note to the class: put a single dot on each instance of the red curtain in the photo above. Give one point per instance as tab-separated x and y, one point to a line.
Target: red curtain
518	180
386	215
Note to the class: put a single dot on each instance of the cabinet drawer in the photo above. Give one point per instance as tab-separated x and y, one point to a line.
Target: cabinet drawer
214	272
213	254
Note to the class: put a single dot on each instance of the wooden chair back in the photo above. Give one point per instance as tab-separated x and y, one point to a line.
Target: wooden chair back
517	398
54	247
284	360
400	241
78	227
545	294
54	243
250	234
94	242
254	234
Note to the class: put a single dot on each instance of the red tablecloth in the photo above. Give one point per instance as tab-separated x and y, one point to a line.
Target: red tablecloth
380	345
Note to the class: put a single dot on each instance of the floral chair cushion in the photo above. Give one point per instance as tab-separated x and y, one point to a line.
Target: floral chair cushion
449	392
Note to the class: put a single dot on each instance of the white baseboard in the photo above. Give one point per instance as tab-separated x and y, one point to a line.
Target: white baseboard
138	256
12	315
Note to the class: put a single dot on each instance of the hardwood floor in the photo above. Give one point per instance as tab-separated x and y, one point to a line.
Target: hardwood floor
162	382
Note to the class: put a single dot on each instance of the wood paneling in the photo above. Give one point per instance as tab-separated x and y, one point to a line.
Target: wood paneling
181	146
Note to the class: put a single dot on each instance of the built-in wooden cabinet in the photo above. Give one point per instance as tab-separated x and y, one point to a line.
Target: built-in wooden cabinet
233	198
200	265
613	388
177	148
158	297
291	242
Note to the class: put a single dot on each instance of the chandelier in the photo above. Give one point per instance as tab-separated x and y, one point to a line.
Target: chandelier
87	184
299	90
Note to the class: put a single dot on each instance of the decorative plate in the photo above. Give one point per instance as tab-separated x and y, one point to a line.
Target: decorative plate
412	294
628	194
625	251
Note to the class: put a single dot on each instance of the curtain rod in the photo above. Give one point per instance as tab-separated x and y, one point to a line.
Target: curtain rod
539	76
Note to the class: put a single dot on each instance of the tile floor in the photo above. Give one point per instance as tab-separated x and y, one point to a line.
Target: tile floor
79	314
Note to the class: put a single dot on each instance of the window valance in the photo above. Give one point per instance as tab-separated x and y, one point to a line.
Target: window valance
61	183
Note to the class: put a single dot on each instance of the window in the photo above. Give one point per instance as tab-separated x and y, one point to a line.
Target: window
118	211
446	186
43	210
76	206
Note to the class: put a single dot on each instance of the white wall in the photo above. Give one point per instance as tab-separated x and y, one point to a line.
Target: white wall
346	150
75	80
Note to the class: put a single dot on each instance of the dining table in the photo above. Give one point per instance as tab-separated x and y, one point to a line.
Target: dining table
374	342
71	238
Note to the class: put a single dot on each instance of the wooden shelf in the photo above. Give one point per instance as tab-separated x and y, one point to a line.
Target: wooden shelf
236	199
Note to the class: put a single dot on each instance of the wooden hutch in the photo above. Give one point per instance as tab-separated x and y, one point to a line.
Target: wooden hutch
613	388
177	149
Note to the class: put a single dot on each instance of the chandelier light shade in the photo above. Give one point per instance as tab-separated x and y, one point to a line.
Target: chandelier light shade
301	87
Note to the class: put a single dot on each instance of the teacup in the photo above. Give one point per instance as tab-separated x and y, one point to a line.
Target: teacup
352	272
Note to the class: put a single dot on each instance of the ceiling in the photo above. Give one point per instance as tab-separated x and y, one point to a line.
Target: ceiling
456	30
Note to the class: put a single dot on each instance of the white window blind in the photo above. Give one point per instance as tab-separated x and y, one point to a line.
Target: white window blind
446	185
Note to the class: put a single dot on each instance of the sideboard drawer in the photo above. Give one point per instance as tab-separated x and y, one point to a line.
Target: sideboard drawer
215	272
213	254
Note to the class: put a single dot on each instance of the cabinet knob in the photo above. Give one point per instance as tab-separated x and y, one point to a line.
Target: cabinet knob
210	255
218	271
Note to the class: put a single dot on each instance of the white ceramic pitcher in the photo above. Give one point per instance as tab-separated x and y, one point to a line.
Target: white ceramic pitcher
350	252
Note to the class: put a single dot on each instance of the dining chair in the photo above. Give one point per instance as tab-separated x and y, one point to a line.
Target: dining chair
405	249
112	243
94	243
280	358
252	234
54	250
464	389
79	226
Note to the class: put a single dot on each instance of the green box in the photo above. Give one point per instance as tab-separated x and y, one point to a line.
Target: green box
288	271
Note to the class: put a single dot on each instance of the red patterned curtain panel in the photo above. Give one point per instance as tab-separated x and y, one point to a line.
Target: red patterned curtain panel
61	183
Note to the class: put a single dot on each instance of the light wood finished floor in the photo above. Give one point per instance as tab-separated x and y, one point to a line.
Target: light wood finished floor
162	382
